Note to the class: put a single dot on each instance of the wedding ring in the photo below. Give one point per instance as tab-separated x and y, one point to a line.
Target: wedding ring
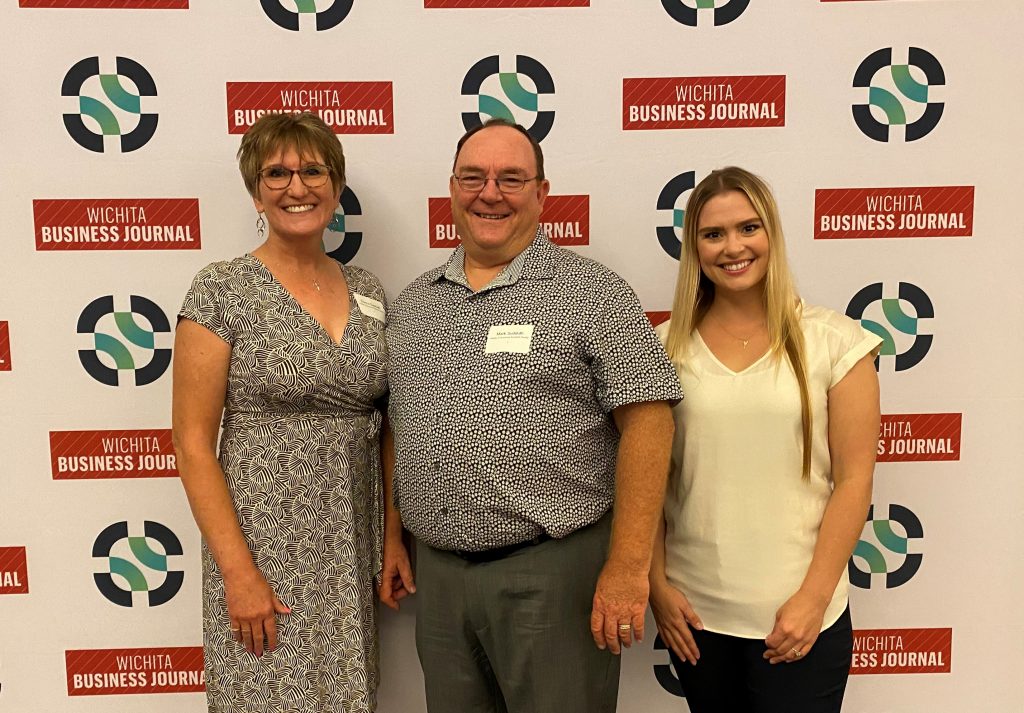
798	653
625	627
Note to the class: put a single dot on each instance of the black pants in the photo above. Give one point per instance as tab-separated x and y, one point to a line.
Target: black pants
731	675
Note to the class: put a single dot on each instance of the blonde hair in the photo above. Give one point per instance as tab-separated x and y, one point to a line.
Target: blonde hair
695	292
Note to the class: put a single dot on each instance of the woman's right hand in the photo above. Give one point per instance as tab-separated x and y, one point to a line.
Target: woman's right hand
396	577
252	609
675	617
201	360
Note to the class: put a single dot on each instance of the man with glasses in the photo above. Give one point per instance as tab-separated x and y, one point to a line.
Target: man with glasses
528	395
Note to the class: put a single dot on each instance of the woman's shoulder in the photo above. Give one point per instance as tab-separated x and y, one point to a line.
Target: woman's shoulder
215	292
363	281
688	349
829	331
223	269
819	318
222	273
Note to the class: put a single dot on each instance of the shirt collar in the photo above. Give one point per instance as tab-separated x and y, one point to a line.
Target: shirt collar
535	262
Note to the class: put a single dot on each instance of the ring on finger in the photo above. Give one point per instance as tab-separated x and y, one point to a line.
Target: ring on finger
624	627
797	652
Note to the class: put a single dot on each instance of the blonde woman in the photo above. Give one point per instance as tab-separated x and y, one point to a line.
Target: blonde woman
772	466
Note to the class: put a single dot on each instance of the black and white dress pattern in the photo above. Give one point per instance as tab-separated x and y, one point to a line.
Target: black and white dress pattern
299	452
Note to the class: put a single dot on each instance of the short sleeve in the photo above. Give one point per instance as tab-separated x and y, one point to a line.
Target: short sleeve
846	340
205	302
365	283
628	361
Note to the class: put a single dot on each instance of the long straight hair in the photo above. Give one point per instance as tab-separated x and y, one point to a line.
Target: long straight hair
695	292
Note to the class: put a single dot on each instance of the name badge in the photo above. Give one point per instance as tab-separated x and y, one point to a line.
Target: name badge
370	307
510	338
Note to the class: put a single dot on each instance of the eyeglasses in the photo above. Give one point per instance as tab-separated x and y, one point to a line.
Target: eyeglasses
312	176
505	184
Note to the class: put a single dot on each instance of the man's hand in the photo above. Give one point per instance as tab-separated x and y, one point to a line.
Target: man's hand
619	605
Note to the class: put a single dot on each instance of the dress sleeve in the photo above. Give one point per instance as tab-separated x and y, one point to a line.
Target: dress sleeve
628	361
366	284
848	343
206	303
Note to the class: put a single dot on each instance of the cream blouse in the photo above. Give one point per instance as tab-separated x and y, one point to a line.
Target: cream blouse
741	524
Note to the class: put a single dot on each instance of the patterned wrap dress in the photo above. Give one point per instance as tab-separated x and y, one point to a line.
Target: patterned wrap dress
299	452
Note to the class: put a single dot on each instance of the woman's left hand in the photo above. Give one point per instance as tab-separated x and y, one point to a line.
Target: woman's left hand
797	625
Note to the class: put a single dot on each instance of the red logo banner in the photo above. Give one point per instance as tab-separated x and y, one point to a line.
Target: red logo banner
117	224
927	212
658	317
703	102
5	346
902	651
103	672
566	220
13	570
919	437
347	107
108	4
90	455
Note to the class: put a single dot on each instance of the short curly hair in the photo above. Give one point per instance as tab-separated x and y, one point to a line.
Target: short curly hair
305	132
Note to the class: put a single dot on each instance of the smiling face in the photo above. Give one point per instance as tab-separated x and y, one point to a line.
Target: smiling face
298	211
496	226
732	243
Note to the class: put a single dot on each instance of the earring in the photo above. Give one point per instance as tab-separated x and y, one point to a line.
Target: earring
261	226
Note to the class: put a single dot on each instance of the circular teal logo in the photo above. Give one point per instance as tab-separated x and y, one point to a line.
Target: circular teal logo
109	104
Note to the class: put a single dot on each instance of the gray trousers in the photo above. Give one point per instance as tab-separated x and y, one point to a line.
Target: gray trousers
513	635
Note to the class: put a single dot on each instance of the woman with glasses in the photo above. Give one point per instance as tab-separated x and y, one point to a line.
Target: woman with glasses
772	466
288	345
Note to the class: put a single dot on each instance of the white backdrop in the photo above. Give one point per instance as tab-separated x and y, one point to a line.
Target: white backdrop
58	622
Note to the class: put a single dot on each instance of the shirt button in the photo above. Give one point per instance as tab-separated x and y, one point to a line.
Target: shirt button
436	465
444	511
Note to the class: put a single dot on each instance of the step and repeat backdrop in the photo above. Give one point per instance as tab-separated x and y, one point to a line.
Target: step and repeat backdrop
890	131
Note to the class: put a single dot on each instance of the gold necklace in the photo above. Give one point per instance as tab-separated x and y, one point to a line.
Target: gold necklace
316	282
746	341
313	278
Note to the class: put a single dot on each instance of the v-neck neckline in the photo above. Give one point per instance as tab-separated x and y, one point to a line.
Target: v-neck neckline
714	357
316	322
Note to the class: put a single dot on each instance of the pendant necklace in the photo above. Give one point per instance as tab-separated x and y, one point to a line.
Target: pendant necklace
743	341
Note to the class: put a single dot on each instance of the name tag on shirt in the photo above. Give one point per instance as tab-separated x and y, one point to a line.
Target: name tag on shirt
370	307
510	338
